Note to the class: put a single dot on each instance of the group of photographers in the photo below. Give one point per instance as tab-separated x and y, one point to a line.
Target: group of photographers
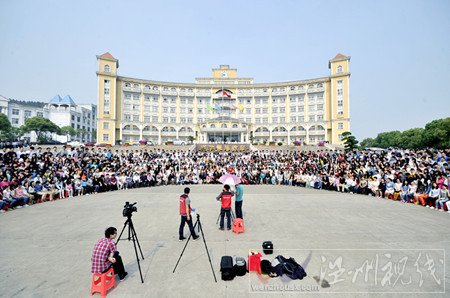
105	254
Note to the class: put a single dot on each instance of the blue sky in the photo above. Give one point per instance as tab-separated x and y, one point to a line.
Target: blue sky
400	50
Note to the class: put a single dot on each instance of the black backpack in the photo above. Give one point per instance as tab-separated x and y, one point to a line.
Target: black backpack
226	268
272	271
291	268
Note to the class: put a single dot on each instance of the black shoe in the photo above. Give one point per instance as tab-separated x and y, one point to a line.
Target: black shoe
195	237
123	276
181	239
229	228
221	229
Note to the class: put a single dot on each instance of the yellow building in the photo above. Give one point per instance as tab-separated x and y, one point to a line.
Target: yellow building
222	108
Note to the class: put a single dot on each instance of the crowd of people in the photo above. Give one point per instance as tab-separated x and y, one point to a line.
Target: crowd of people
32	175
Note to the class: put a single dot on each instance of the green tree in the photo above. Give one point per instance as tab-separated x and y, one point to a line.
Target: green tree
367	142
411	138
350	141
388	139
68	131
437	133
5	127
40	126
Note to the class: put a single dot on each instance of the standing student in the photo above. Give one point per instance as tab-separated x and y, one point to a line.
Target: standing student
185	213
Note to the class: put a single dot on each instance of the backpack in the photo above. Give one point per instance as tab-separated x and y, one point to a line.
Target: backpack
291	268
226	268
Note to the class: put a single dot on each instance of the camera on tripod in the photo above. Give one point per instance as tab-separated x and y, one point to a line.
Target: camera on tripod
128	209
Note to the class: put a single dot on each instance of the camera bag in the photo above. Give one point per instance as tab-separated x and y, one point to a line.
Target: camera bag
226	268
267	247
240	266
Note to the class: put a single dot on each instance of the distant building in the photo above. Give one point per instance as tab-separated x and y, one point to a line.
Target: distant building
223	107
65	112
61	111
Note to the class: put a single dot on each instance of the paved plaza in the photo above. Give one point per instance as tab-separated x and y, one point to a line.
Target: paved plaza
349	245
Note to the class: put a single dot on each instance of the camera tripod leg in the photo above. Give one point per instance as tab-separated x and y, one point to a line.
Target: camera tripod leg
206	247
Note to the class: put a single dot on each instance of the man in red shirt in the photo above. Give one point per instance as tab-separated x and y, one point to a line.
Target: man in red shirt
225	196
105	255
185	212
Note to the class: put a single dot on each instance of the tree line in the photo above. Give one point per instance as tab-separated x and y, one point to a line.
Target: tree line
436	134
40	125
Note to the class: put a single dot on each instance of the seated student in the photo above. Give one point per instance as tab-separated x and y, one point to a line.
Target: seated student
404	192
432	196
389	193
12	202
422	194
18	194
412	192
443	198
397	189
3	205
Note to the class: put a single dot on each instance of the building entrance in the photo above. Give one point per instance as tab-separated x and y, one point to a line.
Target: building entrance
224	137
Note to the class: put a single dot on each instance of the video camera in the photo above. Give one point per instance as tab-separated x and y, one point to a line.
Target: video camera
128	209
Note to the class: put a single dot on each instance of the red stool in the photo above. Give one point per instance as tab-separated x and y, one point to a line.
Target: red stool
254	262
102	282
238	225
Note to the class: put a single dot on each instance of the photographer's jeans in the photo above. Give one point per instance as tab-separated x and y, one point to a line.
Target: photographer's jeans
222	216
238	208
183	222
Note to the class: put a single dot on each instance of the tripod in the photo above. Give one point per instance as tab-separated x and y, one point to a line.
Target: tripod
132	236
232	216
204	241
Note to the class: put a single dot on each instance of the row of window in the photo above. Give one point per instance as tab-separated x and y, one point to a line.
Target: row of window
301	88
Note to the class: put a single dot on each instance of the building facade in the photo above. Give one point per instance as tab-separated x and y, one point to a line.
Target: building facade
223	107
65	112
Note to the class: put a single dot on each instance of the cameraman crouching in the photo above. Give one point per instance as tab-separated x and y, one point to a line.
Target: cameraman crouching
225	196
105	255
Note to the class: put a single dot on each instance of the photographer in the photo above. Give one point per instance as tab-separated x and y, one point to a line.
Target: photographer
185	212
105	255
225	196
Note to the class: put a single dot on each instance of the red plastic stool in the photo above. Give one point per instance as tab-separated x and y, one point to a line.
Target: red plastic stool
102	282
254	262
238	225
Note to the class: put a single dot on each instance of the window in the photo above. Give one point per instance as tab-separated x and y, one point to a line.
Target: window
172	110
293	119
15	112
15	121
311	118
107	68
173	119
320	107
105	125
27	114
274	110
340	137
282	110
135	118
281	120
264	110
339	84
127	117
40	114
127	95
319	117
340	125
258	110
339	69
301	108
73	118
105	137
248	110
340	92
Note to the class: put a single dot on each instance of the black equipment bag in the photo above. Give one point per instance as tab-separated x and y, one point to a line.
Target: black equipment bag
226	268
267	247
240	266
291	268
